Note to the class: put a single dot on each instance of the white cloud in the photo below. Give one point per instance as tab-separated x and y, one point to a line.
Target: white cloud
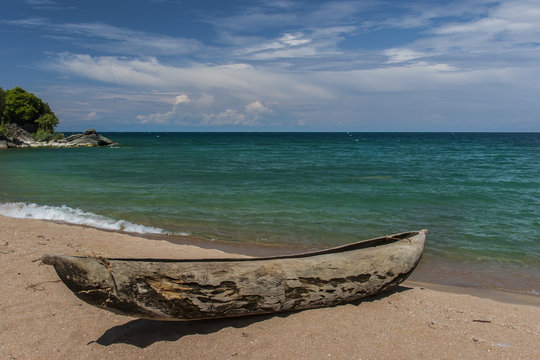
111	38
422	15
183	98
122	40
257	108
29	22
205	101
238	80
91	115
481	35
292	53
188	111
240	83
285	41
508	32
397	55
231	117
314	42
272	63
227	117
294	39
111	69
156	118
514	17
40	2
162	118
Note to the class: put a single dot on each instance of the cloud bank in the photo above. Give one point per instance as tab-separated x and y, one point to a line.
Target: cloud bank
315	67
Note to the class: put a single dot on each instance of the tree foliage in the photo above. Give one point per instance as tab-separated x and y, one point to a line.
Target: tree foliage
2	104
47	122
27	110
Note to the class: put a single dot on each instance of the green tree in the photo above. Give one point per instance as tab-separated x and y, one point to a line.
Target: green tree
47	122
24	108
2	104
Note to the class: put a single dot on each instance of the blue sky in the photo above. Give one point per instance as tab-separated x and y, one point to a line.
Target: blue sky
277	65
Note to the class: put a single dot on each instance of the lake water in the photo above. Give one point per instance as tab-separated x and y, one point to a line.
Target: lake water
477	193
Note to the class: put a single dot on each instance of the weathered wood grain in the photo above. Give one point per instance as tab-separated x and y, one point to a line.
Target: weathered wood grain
212	288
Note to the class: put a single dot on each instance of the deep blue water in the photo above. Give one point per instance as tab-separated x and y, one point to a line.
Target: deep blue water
478	194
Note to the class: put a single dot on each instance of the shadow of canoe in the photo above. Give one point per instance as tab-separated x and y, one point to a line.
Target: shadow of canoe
143	333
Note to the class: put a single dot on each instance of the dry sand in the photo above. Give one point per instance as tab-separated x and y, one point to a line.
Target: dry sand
41	319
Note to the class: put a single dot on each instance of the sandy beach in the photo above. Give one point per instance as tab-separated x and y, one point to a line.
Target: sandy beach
42	319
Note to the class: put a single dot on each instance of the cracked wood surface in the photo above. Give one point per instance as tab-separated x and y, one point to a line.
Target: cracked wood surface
212	288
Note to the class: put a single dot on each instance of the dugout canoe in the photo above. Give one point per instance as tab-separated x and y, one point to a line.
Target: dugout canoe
192	289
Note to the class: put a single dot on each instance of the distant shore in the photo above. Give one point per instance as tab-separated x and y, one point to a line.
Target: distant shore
42	319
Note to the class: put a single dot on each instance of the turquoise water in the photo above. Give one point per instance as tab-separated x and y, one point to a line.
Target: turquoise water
478	194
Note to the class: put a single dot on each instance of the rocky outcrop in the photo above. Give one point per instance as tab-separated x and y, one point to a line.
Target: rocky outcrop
17	137
88	138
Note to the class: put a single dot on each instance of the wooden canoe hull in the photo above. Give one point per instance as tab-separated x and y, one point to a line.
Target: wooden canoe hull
213	288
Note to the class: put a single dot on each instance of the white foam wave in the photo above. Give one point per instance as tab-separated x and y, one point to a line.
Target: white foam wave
69	215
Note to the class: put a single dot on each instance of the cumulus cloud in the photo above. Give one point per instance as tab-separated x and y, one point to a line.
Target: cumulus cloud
257	108
250	117
91	115
268	62
227	117
237	85
240	80
183	98
198	111
162	118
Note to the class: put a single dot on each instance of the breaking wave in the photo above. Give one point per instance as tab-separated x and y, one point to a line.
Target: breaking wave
69	215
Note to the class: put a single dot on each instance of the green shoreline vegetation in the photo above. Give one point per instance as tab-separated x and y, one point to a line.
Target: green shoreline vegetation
20	107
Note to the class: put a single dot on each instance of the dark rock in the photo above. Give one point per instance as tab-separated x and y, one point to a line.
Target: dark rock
17	137
89	138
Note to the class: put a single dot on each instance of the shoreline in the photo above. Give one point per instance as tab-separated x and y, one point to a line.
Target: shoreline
42	319
502	296
470	278
474	278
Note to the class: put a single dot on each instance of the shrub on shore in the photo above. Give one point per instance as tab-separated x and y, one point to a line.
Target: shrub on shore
42	135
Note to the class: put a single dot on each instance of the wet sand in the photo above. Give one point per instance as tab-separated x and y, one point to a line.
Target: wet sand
42	319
